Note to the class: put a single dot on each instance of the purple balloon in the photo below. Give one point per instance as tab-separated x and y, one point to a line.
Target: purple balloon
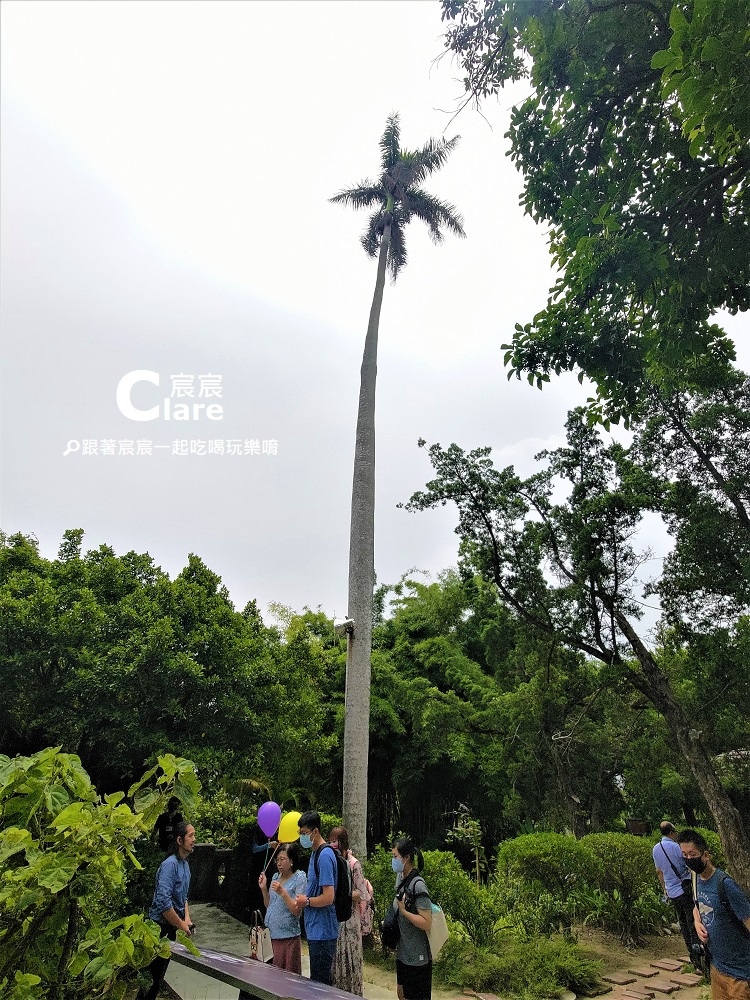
269	816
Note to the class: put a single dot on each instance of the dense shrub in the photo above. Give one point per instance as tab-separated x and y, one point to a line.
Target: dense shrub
627	900
218	818
532	912
552	862
523	969
475	908
630	920
378	869
626	863
447	881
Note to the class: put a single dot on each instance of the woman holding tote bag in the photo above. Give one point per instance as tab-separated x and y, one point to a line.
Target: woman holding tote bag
413	955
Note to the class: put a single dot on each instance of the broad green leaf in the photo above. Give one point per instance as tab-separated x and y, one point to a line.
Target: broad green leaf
13	840
145	799
57	873
76	814
663	58
713	50
78	964
97	970
56	798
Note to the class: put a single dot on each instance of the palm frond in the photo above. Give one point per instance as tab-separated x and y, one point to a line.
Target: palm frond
397	247
431	157
390	149
373	234
362	195
435	213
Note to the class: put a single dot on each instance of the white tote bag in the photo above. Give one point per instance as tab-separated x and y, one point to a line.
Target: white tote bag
261	948
438	933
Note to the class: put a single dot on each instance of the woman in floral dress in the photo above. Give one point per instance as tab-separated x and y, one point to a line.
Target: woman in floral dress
347	965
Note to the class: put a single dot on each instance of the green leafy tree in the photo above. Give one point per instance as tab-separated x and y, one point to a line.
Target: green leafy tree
489	712
109	658
635	151
395	198
65	853
691	461
568	568
707	67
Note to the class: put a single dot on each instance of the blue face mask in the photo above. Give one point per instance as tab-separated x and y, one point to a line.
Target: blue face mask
397	865
305	841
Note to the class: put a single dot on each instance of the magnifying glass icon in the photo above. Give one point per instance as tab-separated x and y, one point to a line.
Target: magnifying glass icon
73	446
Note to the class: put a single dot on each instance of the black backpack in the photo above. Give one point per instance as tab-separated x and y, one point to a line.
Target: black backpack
342	898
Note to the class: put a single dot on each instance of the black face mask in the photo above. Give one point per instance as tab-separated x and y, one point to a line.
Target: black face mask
696	864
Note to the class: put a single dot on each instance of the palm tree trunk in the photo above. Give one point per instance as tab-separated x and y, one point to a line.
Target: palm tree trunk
362	581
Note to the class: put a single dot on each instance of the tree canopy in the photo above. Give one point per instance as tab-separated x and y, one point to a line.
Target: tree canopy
561	548
397	196
634	145
109	658
473	704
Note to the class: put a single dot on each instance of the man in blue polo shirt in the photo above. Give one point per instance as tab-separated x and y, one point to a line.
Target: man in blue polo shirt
722	920
673	876
321	923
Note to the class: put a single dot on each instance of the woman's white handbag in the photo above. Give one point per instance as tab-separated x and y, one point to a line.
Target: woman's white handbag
261	948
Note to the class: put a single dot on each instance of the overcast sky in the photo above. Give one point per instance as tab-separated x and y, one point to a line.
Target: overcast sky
165	174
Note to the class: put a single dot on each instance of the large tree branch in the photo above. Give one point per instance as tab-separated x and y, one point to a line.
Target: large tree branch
705	460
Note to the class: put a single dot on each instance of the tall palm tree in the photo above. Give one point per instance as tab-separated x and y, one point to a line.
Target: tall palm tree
395	198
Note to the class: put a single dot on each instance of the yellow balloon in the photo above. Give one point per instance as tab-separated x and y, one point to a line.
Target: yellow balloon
288	827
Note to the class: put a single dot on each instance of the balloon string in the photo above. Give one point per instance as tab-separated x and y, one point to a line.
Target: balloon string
268	862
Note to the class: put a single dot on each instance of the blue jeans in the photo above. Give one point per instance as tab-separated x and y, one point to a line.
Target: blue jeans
322	954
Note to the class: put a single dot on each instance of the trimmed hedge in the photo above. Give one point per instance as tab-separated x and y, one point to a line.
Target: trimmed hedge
550	861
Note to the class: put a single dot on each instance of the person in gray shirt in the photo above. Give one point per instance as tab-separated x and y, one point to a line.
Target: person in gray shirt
413	956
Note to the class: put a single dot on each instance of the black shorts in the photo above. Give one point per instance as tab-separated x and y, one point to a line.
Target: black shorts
415	980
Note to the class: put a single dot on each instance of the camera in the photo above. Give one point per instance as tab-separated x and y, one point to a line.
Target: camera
700	957
344	626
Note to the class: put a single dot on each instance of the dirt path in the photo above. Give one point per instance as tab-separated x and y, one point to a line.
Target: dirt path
609	949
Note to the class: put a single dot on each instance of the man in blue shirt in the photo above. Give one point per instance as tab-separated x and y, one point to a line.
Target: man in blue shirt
673	872
722	920
321	923
169	907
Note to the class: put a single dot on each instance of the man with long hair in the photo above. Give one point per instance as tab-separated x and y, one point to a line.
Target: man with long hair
169	907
